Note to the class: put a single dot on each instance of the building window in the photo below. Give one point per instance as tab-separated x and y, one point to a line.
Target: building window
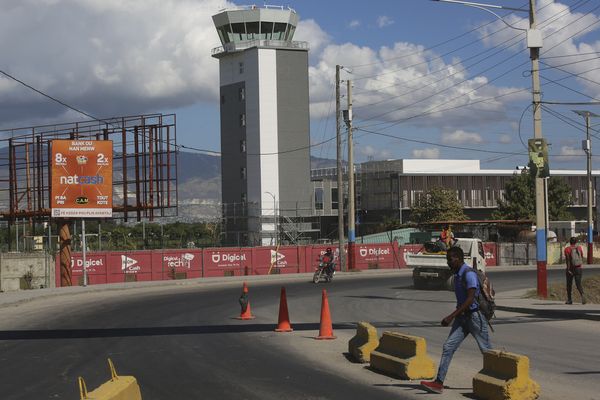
242	94
334	199
242	119
222	99
243	172
243	145
318	198
241	67
239	31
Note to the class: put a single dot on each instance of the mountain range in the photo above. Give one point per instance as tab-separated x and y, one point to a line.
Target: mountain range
199	184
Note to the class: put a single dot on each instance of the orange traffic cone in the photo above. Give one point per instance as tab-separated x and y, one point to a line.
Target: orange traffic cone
284	318
326	329
245	303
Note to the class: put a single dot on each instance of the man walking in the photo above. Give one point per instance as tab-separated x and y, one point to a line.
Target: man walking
574	259
467	317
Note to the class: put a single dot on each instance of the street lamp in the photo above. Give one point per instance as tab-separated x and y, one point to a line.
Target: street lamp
275	217
587	147
534	43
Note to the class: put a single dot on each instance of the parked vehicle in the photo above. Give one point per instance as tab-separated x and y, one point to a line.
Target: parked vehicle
324	272
430	269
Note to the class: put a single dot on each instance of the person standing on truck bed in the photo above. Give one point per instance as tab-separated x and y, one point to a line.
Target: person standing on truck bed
467	318
447	236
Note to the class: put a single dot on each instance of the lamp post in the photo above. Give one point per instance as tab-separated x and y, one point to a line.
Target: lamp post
534	43
586	145
275	217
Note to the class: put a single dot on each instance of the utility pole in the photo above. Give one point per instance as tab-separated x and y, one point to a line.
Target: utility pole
340	183
351	207
590	192
534	43
587	147
533	36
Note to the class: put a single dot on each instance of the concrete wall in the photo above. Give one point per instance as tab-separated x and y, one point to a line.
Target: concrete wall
525	253
14	266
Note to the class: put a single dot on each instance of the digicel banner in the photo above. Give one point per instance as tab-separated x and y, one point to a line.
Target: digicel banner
82	178
378	256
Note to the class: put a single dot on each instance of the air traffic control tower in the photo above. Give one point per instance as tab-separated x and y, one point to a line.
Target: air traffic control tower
265	154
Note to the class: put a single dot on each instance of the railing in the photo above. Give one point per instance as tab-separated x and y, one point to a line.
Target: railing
255	7
238	46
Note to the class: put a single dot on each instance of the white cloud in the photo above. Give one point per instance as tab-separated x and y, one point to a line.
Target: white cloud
460	137
354	24
373	153
384	21
136	56
505	139
429	153
310	31
563	29
569	153
108	57
406	82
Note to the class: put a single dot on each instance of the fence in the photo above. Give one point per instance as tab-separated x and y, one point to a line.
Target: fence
147	265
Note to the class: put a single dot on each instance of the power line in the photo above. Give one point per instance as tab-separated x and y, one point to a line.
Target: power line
390	124
439	144
51	97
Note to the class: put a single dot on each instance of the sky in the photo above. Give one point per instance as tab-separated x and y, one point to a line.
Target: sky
430	80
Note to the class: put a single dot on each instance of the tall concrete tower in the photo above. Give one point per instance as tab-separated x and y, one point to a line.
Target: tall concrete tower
265	155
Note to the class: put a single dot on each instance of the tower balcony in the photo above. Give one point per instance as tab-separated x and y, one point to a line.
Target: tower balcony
233	47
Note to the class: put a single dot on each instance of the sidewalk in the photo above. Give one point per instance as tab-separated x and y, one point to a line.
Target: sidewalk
514	301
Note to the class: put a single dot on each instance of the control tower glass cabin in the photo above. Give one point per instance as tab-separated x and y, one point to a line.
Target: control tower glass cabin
265	155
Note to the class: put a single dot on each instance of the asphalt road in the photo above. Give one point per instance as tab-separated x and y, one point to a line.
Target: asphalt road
184	342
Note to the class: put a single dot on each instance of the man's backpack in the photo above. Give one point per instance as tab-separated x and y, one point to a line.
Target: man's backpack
576	257
485	298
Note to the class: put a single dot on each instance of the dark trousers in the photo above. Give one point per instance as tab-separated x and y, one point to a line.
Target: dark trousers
574	273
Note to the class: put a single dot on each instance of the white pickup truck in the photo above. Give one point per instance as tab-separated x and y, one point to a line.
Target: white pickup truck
430	269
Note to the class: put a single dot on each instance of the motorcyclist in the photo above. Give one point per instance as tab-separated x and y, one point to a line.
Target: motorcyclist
327	258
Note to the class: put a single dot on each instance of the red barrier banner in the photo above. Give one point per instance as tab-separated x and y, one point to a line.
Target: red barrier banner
176	264
270	260
376	256
227	261
408	248
96	265
491	254
128	266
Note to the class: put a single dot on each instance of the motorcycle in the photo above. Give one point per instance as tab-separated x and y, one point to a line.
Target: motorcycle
324	273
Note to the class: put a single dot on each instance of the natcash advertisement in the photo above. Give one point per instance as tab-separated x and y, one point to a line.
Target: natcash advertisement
82	178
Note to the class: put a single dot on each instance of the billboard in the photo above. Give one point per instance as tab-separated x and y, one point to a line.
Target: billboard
538	156
82	178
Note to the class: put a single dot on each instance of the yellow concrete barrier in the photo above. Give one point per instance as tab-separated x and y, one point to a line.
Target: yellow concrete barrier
505	376
403	356
118	388
365	341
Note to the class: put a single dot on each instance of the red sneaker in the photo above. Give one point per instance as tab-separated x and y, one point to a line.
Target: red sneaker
433	386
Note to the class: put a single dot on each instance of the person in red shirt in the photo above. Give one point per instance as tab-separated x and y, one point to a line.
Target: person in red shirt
574	259
328	259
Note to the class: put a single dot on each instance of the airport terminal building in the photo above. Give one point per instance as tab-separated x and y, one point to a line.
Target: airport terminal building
390	188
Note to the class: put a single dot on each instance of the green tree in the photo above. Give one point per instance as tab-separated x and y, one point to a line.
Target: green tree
519	199
437	204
